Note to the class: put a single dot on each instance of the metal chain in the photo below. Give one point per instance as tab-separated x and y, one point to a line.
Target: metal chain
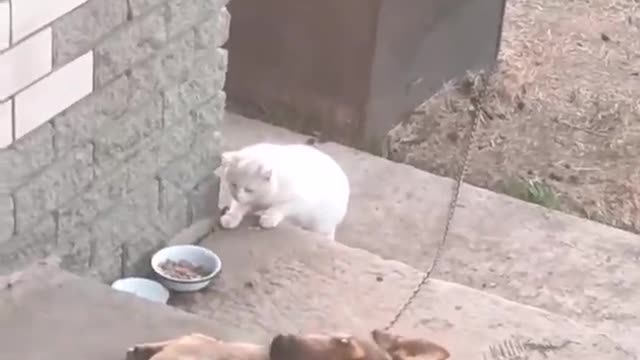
477	117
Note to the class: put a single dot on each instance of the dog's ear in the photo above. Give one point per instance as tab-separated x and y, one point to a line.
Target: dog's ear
401	348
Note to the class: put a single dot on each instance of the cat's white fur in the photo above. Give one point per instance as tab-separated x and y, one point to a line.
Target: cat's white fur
295	182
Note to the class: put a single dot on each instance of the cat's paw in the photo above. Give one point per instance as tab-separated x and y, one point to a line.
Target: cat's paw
270	220
230	220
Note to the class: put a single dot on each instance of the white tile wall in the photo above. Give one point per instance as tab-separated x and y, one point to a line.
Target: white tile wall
5	124
5	24
53	94
25	63
31	15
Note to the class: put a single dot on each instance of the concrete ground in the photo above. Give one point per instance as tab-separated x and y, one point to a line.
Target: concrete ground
275	281
522	252
559	286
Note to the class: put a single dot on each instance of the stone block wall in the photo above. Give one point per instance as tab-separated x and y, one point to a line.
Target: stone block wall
109	118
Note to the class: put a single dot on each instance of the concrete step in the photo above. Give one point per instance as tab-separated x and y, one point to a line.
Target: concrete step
287	280
275	281
504	246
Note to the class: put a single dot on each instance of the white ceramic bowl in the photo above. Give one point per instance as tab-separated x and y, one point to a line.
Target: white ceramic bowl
197	255
144	288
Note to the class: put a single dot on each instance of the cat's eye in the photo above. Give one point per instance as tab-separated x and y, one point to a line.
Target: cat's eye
248	190
233	185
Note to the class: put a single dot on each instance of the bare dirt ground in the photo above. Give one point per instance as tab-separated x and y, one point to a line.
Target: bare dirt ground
564	112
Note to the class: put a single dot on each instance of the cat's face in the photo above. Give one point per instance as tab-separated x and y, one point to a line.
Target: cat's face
249	181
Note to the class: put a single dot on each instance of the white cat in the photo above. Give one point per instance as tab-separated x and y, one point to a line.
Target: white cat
295	182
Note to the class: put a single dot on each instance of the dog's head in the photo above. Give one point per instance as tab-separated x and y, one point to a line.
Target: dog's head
403	348
381	346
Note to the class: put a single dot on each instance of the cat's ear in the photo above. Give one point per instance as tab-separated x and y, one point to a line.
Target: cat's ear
228	157
265	172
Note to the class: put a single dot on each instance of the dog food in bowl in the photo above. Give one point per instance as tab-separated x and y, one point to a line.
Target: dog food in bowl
183	270
185	267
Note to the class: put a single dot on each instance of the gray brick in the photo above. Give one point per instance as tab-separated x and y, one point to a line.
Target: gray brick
214	32
184	14
21	250
141	6
168	68
201	161
187	171
106	244
210	114
25	157
6	217
104	195
122	135
141	243
75	254
206	80
131	44
140	246
120	233
174	209
50	188
203	200
79	123
156	152
77	32
114	186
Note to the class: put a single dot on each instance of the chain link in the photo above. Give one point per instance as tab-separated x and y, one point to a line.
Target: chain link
477	117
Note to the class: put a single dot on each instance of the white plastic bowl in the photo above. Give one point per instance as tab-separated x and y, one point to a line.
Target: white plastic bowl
197	255
144	288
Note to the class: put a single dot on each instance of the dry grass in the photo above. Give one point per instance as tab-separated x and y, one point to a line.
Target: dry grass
564	107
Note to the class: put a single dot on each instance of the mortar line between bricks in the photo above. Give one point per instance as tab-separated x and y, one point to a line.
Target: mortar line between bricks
129	15
13	118
56	222
10	26
53	138
160	194
190	211
124	258
163	110
15	214
92	253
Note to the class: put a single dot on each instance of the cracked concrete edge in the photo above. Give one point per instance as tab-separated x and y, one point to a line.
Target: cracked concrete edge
194	233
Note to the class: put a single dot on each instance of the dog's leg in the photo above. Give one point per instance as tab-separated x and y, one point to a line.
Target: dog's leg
147	350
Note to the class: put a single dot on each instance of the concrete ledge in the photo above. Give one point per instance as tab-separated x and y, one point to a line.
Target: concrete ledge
288	280
519	251
274	281
47	313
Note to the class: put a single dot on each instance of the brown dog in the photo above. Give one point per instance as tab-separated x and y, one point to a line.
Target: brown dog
381	346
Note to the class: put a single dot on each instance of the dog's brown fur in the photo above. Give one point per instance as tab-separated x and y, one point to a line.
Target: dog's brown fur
381	346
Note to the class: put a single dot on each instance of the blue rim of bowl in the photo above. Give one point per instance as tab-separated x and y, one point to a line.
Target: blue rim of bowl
190	281
165	291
